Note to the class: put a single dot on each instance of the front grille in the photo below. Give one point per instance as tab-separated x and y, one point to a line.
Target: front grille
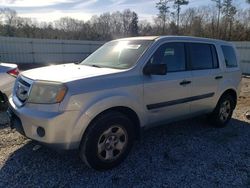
22	89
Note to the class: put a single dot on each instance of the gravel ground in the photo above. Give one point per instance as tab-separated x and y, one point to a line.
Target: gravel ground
185	154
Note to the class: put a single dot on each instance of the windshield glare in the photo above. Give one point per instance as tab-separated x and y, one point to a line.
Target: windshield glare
118	54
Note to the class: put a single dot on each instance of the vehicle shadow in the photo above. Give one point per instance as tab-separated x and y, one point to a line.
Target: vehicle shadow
4	120
187	153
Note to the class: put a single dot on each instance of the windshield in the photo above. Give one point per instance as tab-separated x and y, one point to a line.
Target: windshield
118	54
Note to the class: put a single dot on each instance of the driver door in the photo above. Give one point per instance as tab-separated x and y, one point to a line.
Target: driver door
167	96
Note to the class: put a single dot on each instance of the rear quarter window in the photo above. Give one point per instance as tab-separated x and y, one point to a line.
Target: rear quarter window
230	56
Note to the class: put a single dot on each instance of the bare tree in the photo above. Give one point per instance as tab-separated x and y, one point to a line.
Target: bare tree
197	21
145	28
229	11
127	16
68	24
134	29
163	9
117	24
219	7
105	25
177	6
101	27
209	21
8	16
187	20
25	27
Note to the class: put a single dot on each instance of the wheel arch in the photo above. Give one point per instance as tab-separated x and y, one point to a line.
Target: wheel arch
3	97
128	112
232	92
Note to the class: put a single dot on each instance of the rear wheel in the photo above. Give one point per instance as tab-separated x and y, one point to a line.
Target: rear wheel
223	111
107	141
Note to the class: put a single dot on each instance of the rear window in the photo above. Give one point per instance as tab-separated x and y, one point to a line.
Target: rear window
230	57
202	56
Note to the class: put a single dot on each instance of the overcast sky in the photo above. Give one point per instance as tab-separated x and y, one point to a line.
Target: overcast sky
50	10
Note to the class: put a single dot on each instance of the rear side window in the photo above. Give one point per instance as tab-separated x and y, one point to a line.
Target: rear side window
230	57
202	56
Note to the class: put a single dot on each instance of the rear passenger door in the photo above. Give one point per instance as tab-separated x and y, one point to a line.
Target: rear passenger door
206	75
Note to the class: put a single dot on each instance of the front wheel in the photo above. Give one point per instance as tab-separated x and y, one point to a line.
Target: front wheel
3	101
107	141
223	111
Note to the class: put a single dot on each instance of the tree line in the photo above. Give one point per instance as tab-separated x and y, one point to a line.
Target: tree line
222	20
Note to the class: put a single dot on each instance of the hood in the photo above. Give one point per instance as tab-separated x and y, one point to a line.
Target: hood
67	72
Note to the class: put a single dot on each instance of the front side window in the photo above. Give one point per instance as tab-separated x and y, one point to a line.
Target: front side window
172	54
230	57
201	56
119	54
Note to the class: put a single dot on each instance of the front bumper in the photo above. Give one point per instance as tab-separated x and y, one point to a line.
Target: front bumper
15	122
59	127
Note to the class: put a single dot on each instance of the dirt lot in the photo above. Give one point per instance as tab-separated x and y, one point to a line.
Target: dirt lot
185	154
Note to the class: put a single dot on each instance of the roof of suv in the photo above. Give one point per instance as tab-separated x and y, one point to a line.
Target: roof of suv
173	37
140	38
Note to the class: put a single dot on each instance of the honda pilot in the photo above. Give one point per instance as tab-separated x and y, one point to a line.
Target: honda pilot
100	105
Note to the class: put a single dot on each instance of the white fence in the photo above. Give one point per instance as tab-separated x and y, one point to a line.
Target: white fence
26	50
244	53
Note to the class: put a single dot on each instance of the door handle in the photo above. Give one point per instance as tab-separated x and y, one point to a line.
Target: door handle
185	82
218	77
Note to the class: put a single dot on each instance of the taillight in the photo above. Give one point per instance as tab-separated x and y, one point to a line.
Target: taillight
14	72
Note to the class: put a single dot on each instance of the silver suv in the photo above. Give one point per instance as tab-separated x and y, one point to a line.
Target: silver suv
100	105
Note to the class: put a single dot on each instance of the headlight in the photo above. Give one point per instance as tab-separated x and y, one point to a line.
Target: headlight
47	92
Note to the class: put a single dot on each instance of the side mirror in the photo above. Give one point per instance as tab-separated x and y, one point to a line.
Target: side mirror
155	69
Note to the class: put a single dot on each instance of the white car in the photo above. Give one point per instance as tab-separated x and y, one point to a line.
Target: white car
8	74
100	105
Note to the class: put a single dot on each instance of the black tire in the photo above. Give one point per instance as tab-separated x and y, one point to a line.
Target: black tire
95	136
217	118
3	102
2	98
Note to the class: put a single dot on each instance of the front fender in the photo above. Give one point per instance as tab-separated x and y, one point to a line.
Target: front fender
114	101
89	113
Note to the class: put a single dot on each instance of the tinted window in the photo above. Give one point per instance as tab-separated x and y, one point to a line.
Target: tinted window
230	57
201	56
172	54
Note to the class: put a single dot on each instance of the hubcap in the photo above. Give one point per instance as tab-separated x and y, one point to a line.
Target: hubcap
112	143
225	110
